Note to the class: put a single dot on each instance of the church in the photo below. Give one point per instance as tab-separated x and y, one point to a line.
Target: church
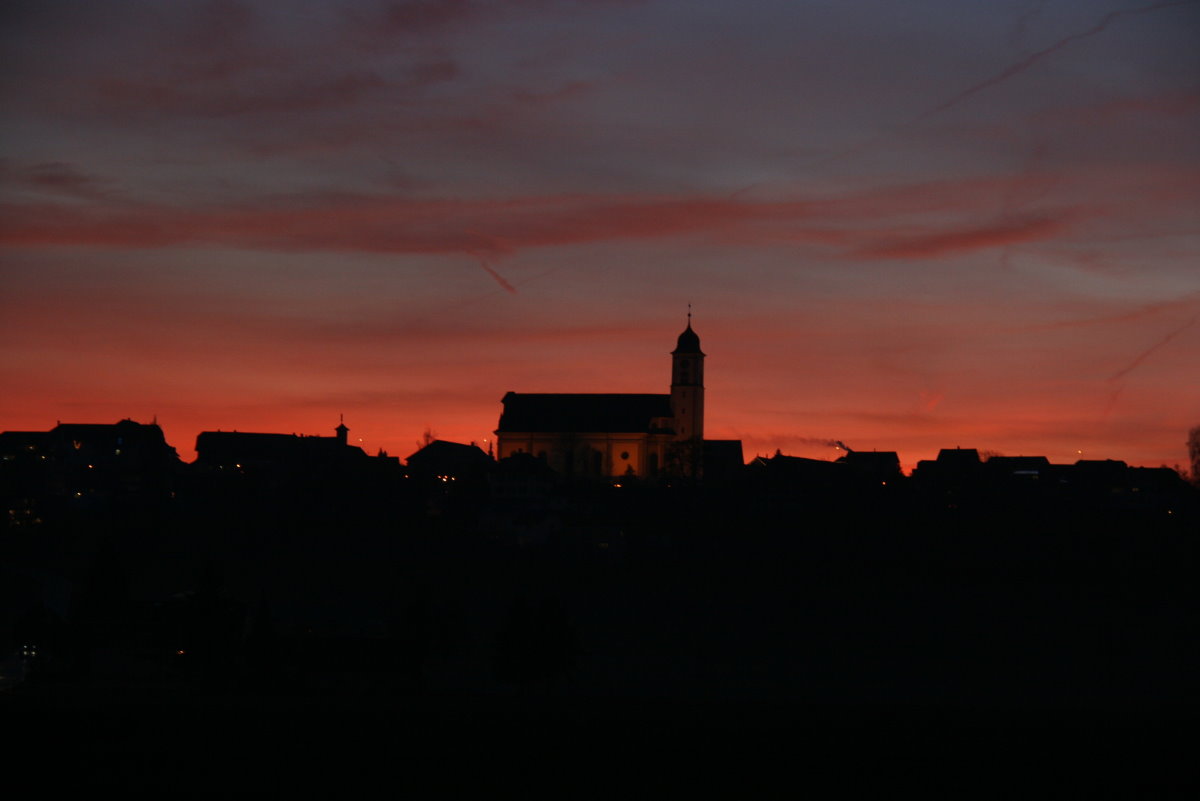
618	435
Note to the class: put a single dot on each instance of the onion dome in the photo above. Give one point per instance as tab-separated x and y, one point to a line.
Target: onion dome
688	341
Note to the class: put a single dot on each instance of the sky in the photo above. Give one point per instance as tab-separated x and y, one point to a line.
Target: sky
904	226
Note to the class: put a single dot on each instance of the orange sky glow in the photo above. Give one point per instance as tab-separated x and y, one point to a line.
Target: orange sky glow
244	216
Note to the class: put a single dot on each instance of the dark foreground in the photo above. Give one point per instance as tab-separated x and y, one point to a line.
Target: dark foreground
368	741
735	646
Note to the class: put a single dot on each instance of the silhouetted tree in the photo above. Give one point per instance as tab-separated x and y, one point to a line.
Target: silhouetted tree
1194	453
684	460
427	438
565	453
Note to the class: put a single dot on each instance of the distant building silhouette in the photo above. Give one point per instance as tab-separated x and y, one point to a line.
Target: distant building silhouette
83	444
955	470
86	460
873	466
784	473
960	476
283	455
450	461
618	435
723	460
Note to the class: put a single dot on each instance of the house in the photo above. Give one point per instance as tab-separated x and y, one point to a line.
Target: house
283	457
86	460
450	461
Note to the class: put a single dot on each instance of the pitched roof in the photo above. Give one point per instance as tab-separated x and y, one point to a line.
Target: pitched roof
67	438
958	457
443	454
723	449
581	413
96	433
220	447
13	441
872	460
1012	464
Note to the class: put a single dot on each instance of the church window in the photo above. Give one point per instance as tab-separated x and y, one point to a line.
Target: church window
625	455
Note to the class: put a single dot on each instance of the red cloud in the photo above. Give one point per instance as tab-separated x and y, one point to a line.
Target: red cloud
1179	104
490	228
57	177
423	15
388	225
940	243
216	100
568	91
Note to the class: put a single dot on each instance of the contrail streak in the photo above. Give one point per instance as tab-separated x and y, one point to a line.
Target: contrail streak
1022	23
1147	310
1033	58
1141	357
499	278
1112	403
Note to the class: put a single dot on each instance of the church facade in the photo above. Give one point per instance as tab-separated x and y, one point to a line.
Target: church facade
614	435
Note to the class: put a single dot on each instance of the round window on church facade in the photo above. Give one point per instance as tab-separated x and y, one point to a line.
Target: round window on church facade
625	455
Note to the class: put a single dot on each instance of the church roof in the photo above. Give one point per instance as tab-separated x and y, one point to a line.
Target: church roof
689	341
581	413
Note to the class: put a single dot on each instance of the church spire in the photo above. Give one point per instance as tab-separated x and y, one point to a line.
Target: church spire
688	341
687	384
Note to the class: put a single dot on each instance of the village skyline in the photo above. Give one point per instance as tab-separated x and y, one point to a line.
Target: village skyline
904	227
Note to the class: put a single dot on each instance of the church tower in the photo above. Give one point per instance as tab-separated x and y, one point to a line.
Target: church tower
687	386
